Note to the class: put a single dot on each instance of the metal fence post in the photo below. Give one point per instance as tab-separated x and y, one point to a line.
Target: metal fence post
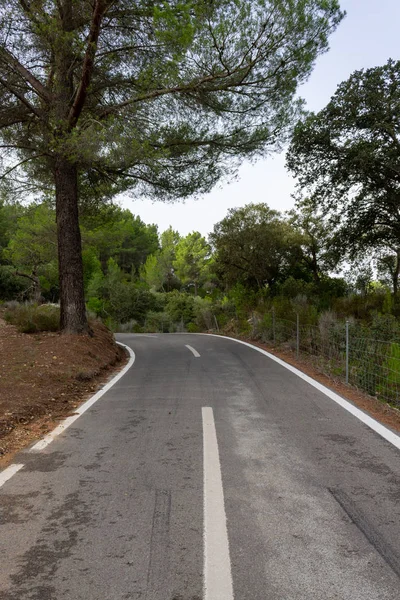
216	323
298	336
273	324
347	352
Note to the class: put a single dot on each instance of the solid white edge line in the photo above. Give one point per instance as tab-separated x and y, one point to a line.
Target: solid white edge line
85	406
194	352
8	473
217	564
383	431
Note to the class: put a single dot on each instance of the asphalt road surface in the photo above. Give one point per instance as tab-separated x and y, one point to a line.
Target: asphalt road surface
208	471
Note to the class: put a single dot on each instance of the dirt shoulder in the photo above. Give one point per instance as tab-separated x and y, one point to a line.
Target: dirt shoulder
44	377
381	411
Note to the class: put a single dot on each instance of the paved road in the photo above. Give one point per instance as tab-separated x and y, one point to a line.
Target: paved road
113	508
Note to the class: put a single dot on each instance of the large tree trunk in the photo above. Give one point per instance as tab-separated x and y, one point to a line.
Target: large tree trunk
72	300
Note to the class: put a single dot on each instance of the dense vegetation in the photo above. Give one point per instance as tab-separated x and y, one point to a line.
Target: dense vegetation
137	279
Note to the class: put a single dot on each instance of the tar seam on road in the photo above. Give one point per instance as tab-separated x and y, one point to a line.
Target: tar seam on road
383	431
217	563
82	409
194	352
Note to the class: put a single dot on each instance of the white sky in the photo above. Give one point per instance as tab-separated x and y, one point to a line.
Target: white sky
367	37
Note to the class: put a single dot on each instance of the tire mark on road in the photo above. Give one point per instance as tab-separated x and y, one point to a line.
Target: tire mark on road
158	572
375	538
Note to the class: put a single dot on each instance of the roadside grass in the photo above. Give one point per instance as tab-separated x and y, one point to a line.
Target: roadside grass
33	318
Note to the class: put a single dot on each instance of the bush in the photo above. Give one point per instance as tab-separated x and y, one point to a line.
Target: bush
32	318
157	322
11	286
204	317
180	307
131	326
193	328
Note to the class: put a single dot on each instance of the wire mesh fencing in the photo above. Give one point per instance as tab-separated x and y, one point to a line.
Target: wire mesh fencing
340	350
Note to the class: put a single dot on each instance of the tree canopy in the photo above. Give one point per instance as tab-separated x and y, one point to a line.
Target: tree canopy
255	246
348	158
192	261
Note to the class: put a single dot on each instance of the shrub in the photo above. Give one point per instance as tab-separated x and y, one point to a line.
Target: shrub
204	318
157	322
131	326
11	286
32	318
180	307
96	306
193	328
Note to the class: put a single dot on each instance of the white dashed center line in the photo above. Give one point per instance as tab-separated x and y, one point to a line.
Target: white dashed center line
196	354
217	563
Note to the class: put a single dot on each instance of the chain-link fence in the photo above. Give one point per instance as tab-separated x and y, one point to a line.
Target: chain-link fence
341	350
344	351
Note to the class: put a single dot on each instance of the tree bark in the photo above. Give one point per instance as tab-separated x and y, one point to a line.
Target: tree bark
72	299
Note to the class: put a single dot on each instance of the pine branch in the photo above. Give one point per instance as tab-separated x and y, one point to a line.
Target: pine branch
16	66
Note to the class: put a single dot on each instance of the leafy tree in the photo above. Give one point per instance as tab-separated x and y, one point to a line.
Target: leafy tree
122	236
114	295
348	157
388	267
158	271
32	248
315	238
193	257
100	96
9	214
255	246
180	307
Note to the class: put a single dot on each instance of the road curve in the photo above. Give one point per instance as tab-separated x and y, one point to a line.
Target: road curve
216	474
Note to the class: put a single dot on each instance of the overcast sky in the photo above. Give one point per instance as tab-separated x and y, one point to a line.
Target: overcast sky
368	37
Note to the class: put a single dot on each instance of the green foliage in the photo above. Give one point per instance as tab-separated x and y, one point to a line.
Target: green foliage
387	306
192	262
115	296
392	365
204	315
180	307
207	83
314	238
255	246
11	286
33	318
91	265
9	214
347	158
158	271
291	287
158	322
118	234
34	242
243	299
